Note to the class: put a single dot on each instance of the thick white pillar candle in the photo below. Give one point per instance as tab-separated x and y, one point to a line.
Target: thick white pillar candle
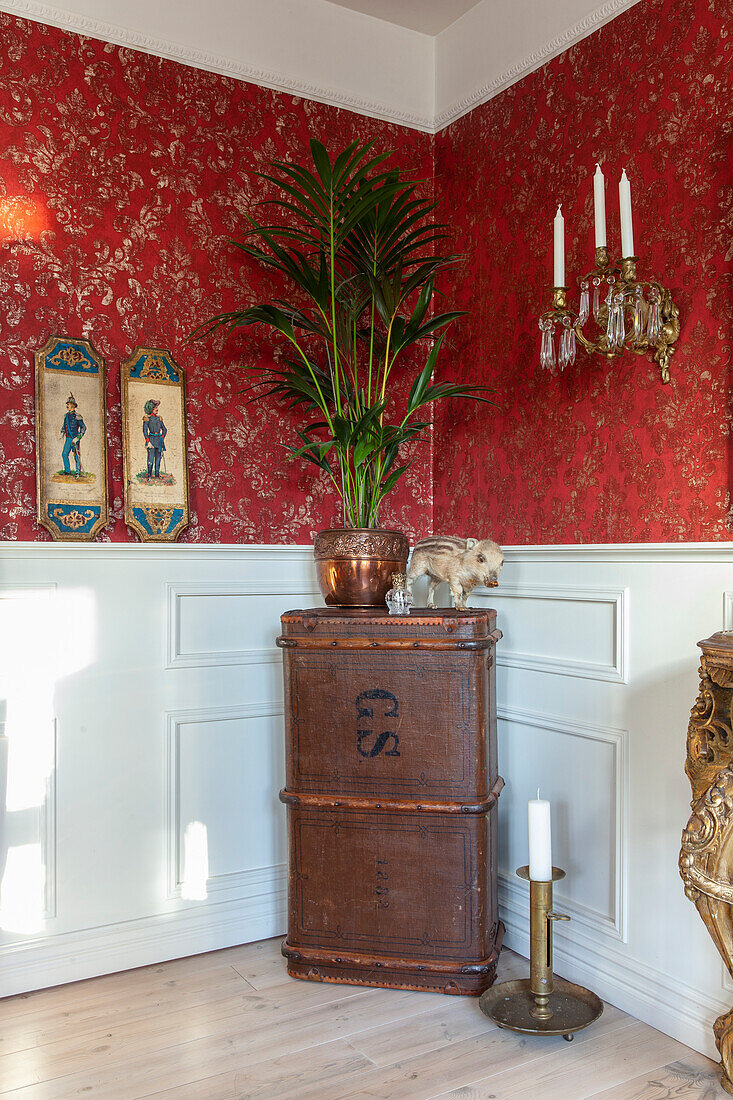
599	206
627	229
540	839
559	241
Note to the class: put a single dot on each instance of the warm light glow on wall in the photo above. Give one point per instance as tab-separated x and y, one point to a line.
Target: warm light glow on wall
22	218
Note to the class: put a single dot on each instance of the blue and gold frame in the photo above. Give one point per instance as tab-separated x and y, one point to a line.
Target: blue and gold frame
154	445
71	439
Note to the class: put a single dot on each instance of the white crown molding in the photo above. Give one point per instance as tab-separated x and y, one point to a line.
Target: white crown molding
372	107
214	62
535	60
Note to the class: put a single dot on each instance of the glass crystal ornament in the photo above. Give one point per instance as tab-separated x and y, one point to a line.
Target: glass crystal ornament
399	597
638	316
623	314
547	348
567	343
654	322
584	308
615	330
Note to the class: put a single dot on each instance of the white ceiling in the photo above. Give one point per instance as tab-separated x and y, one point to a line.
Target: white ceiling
426	16
421	63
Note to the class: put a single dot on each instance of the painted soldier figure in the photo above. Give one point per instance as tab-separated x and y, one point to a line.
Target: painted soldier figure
154	431
72	429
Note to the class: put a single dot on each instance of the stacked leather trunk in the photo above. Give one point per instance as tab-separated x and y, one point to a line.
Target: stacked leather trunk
391	792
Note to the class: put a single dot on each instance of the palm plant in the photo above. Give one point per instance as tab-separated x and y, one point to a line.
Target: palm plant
356	242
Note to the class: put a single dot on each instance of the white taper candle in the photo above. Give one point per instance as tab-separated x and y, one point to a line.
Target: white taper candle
559	250
540	839
599	206
627	229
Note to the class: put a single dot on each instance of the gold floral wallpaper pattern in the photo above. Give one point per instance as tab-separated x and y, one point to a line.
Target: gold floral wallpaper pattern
122	178
601	453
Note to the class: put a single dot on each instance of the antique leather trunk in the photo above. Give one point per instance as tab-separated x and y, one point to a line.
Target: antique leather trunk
391	792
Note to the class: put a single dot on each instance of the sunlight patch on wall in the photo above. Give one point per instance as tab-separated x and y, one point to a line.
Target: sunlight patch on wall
45	636
195	862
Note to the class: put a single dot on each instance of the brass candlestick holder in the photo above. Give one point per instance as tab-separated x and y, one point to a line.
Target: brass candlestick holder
541	1004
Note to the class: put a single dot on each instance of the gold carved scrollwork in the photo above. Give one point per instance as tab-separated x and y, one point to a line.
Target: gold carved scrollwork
669	333
706	856
709	740
702	839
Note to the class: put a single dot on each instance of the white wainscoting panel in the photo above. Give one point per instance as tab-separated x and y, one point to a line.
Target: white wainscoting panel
569	756
141	752
229	624
225	767
27	758
141	684
563	629
607	746
726	981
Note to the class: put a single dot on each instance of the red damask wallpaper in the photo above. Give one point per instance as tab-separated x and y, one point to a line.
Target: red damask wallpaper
600	454
140	170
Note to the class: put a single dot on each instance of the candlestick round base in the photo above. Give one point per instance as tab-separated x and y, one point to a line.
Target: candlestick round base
510	1006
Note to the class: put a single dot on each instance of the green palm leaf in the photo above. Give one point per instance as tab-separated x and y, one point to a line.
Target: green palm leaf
356	242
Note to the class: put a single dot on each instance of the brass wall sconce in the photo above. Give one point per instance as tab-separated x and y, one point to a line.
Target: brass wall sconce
630	314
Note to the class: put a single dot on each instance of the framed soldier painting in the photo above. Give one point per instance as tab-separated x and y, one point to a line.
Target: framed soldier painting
71	438
154	456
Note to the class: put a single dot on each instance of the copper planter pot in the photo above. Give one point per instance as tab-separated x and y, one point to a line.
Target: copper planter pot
354	565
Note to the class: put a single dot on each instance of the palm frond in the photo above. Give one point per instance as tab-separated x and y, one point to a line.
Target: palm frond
356	241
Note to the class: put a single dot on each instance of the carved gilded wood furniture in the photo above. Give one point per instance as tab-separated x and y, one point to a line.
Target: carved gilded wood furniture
391	791
706	858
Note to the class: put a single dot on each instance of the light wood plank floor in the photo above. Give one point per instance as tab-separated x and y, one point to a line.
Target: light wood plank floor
231	1025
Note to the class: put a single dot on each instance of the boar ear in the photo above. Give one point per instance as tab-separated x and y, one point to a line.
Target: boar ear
470	543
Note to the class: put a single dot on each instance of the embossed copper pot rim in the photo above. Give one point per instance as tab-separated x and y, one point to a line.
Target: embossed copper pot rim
354	565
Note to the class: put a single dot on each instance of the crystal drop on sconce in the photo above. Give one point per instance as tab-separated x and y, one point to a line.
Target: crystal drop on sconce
596	297
620	331
551	362
654	322
547	350
639	316
611	323
563	352
584	308
567	343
